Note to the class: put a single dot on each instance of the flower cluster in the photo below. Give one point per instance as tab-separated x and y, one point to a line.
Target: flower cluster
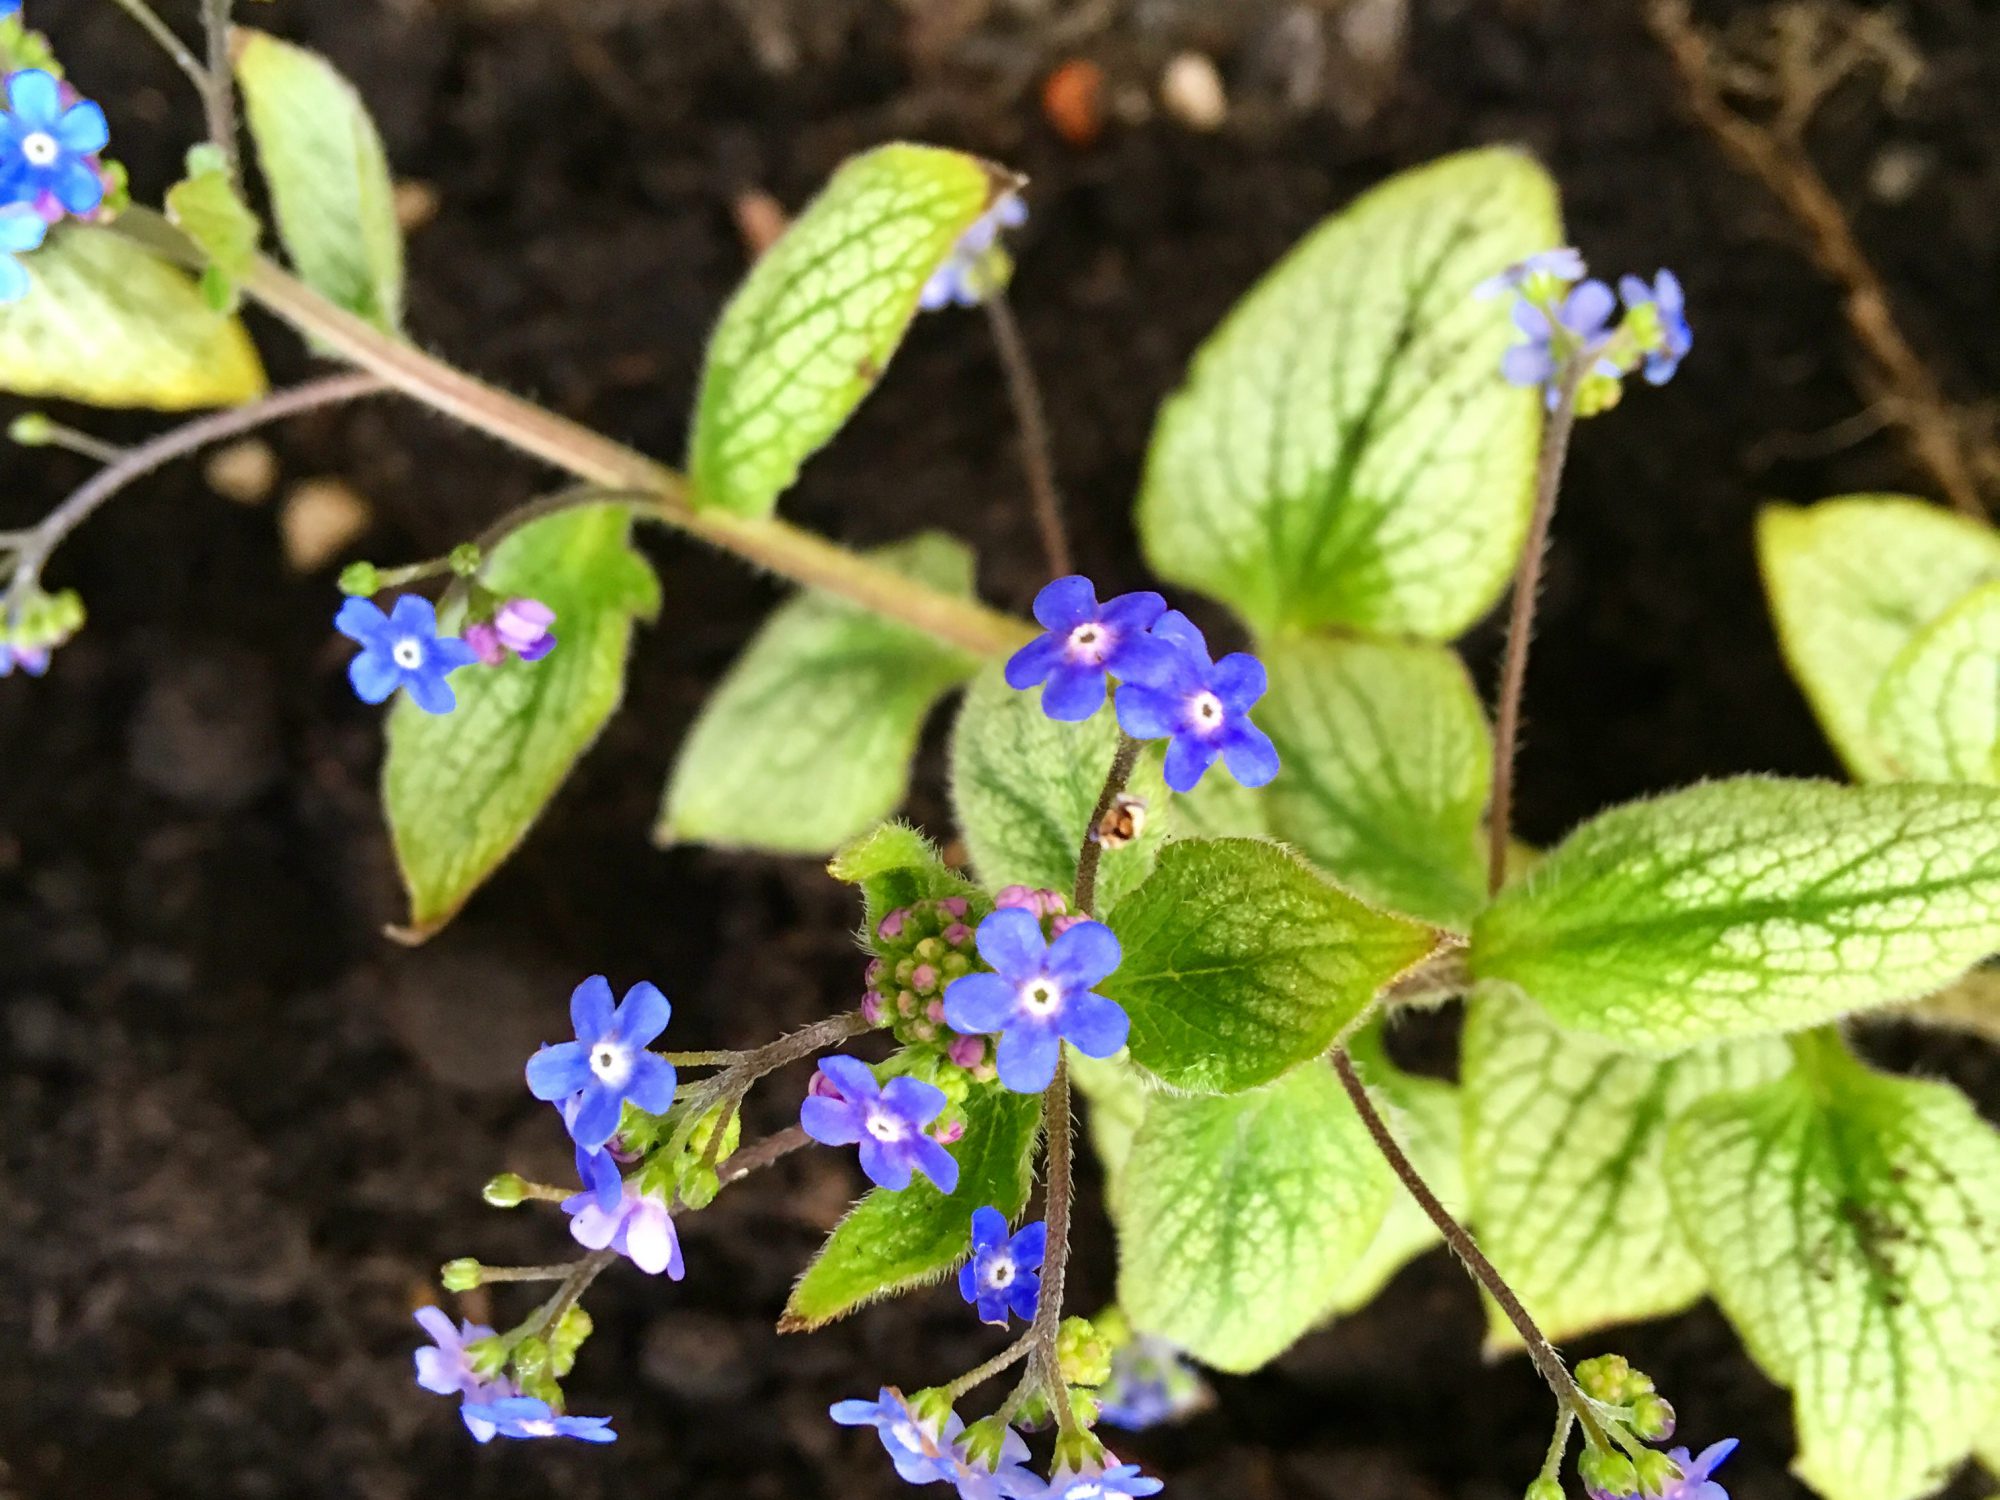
33	627
978	263
1151	1382
1567	334
50	138
402	649
1170	688
1628	1406
919	950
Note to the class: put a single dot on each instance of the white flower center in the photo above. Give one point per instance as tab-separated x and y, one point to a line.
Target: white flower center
538	1427
1000	1273
611	1064
1042	998
407	653
1090	642
40	148
1205	713
886	1127
908	1434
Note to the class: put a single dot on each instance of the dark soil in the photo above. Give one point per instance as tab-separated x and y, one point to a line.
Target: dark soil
238	1130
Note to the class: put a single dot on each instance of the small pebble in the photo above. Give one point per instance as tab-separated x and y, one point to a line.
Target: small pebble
322	519
245	471
1191	91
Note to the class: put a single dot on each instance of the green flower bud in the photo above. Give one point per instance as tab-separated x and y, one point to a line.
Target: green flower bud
1652	1418
531	1357
461	1275
984	1441
929	950
931	1407
1612	1473
1544	1489
32	429
464	559
1657	1473
567	1339
1082	1353
508	1190
543	1387
1611	1379
487	1357
359	580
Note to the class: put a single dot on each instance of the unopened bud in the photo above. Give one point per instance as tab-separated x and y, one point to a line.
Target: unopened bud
1652	1418
360	580
1078	1450
464	559
932	1407
1544	1489
1657	1473
508	1190
487	1357
32	429
461	1275
1607	1473
985	1443
531	1357
1082	1353
1610	1378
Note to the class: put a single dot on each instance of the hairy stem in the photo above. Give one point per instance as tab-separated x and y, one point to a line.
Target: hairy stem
1547	1362
218	93
1031	416
1092	851
575	1284
525	1273
754	1158
163	36
1047	1328
1521	622
1005	1360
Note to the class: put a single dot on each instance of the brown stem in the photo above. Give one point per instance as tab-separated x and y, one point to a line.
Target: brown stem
163	37
218	93
1046	1331
773	1148
1031	416
1547	1362
1092	851
1005	1360
1521	622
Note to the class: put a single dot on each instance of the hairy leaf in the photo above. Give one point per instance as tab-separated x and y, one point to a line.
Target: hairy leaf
1118	1095
808	740
815	323
1752	906
1344	451
1937	709
892	1242
464	788
1846	1222
1240	962
1239	1218
895	865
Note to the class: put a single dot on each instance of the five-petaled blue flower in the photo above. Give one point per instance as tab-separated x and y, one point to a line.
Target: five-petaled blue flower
402	649
1563	263
1003	1274
919	1452
526	1417
1038	996
610	1213
21	230
887	1119
1676	337
447	1370
1577	331
1084	640
1096	1482
965	276
1694	1483
1202	708
608	1063
46	146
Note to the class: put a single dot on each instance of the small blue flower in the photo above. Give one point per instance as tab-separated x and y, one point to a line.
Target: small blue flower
1095	1482
1150	1384
1038	996
1003	1274
1009	1480
887	1120
21	230
966	275
47	146
1084	641
9	8
402	649
920	1453
1694	1483
30	659
1202	708
444	1369
1579	327
526	1417
1670	303
1564	264
608	1063
610	1213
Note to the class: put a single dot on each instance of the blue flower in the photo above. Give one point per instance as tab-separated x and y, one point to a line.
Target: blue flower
1084	641
1676	337
444	1369
919	1451
1564	264
1202	708
1150	1384
1694	1483
526	1417
1095	1482
21	230
611	1214
9	8
30	659
1008	1480
887	1120
1038	996
968	272
46	146
1003	1273
1548	344
608	1063
403	650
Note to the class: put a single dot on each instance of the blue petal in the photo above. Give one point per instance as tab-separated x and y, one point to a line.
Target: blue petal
935	1163
1073	693
1532	321
1527	365
597	1121
359	620
1586	309
1238	680
1147	659
913	1099
883	1166
855	1413
1011	941
651	1086
1188	760
1147	713
968	1281
559	1071
430	692
1027	1058
35	99
21	229
831	1122
1083	955
1133	614
1672	300
448	653
1178	631
373	676
77	187
591	1012
1066	604
1023	1295
979	1004
853	1077
992	1303
1031	1245
989	1228
1033	662
644	1015
1248	752
82	128
1635	292
1095	1026
603	1180
413	614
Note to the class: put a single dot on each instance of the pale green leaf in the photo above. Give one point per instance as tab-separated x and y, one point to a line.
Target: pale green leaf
815	323
1221	807
1851	582
1937	709
1565	1145
463	788
1241	961
1024	788
108	322
1239	1218
1749	907
1846	1221
1117	1095
1344	451
327	174
1386	762
891	1242
808	740
895	865
206	207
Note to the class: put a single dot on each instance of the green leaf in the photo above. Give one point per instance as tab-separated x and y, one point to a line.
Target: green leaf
206	207
1937	709
327	174
1344	451
1846	1221
892	1242
108	322
1024	787
1565	1147
1118	1095
463	788
817	320
895	865
1239	1218
1241	961
1851	582
1752	906
807	741
1220	807
1386	766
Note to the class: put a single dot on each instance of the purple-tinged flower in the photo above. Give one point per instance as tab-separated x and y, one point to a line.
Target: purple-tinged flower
1694	1483
1563	263
402	650
887	1119
444	1369
1097	1481
520	627
1669	303
1004	1274
21	230
917	1449
34	660
1008	1479
47	144
1577	330
967	275
1201	708
1082	642
1038	996
526	1417
1150	1384
611	1214
608	1063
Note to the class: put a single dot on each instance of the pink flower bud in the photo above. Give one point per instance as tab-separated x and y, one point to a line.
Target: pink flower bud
967	1051
822	1087
874	1009
935	1010
924	979
1016	896
523	626
946	1135
953	906
906	1004
1060	924
891	927
485	643
958	935
876	969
